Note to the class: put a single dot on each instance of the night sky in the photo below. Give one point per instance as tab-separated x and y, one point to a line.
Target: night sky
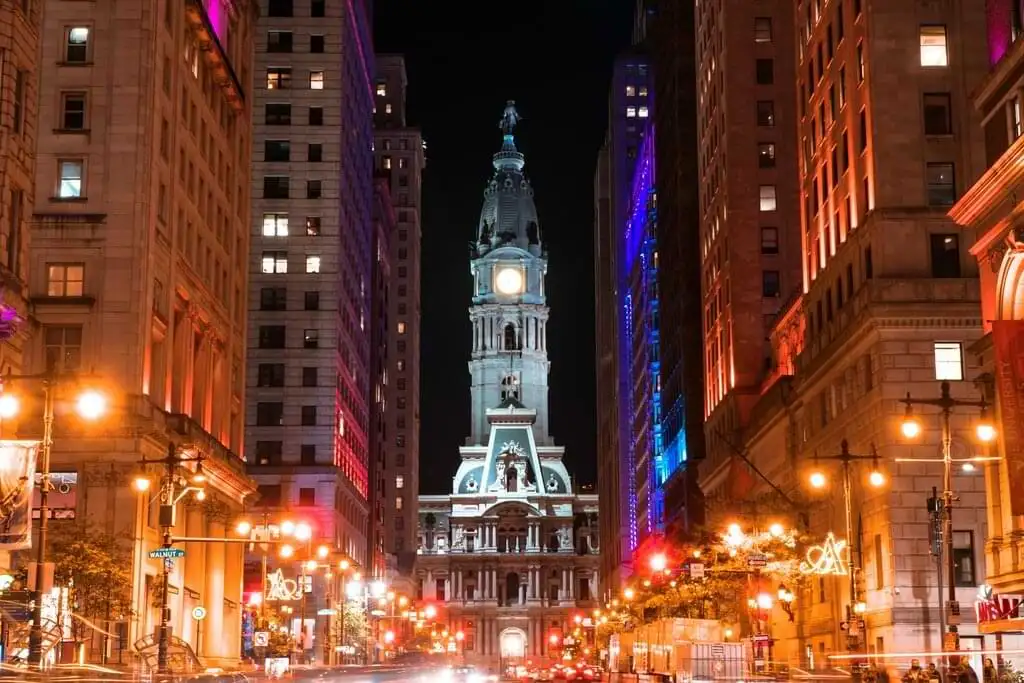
464	60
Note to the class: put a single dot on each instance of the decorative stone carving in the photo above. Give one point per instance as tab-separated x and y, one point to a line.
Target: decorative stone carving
458	541
564	535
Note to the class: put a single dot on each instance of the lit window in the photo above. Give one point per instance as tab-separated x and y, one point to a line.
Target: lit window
77	49
643	91
401	328
279	78
275	262
400	365
949	363
65	279
386	162
275	225
399	482
398	502
643	112
769	202
630	112
312	264
382	90
933	46
630	91
387	108
316	80
70	186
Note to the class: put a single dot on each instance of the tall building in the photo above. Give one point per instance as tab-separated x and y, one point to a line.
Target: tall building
508	558
670	40
624	246
890	306
987	213
138	273
749	206
399	154
380	334
309	375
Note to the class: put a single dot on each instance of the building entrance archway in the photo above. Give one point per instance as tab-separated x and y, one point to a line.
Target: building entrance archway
1010	287
512	643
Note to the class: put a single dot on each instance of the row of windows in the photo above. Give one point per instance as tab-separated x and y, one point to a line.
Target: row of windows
280	78
283	41
281	150
276	262
285	8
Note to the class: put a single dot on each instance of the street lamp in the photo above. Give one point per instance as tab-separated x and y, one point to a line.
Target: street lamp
90	405
172	489
985	431
786	598
659	562
875	477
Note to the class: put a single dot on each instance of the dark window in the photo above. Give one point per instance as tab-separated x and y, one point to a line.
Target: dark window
271	336
869	265
769	240
275	187
938	114
311	301
766	154
316	116
310	339
279	41
268	452
269	414
945	252
279	8
73	111
770	286
400	345
316	8
845	152
273	299
316	44
307	454
312	226
963	559
316	152
762	29
765	71
269	495
863	140
277	150
278	114
941	184
308	416
309	377
270	375
766	113
307	497
313	189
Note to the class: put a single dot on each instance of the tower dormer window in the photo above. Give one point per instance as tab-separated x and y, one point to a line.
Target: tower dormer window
512	341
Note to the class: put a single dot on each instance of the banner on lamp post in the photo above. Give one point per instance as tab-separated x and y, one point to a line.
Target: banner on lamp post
1008	341
17	478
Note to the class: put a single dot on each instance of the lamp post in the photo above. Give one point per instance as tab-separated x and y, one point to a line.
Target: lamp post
986	433
90	405
172	490
875	478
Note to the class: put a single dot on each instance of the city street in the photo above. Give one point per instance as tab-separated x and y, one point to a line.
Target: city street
353	674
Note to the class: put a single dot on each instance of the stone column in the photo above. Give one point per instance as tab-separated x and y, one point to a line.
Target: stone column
429	590
216	645
448	588
522	593
572	583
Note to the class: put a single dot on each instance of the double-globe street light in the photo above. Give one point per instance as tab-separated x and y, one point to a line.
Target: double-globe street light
91	405
876	479
985	432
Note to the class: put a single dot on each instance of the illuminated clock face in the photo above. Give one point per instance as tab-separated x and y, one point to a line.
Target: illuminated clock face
509	281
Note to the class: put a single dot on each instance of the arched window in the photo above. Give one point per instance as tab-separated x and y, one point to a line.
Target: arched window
511	338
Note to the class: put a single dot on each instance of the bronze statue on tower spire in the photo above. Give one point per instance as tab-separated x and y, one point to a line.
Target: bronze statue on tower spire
510	118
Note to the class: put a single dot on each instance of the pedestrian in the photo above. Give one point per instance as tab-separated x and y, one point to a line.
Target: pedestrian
965	672
988	671
932	673
915	674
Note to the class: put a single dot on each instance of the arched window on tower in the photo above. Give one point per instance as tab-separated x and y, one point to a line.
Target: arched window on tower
512	341
510	387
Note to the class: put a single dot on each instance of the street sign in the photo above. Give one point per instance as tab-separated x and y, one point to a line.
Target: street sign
166	553
757	561
198	613
261	639
696	570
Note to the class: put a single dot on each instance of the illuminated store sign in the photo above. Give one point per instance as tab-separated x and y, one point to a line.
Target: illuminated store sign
825	559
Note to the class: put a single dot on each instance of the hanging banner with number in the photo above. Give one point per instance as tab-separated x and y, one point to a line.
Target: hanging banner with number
17	475
1008	341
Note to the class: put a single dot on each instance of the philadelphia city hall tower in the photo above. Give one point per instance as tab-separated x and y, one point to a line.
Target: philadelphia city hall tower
509	558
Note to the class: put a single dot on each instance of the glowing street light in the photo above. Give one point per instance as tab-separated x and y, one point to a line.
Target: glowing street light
818	479
876	478
659	562
91	404
8	406
776	530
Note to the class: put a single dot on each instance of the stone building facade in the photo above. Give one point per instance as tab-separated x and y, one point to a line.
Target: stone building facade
510	555
138	274
889	307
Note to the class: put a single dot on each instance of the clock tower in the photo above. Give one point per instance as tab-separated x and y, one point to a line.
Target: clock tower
509	314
